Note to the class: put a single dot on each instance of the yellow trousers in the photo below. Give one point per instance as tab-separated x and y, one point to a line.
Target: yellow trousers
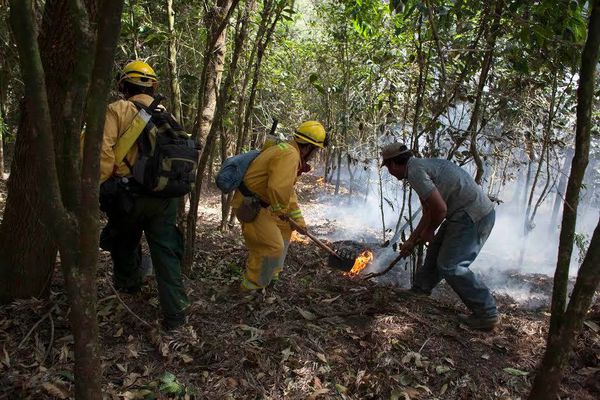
267	239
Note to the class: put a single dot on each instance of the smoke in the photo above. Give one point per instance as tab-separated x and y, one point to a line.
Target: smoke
507	261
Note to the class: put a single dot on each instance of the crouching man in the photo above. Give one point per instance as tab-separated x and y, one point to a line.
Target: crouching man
452	201
267	199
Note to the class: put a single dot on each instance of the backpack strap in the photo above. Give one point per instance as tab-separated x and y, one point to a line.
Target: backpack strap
152	106
133	131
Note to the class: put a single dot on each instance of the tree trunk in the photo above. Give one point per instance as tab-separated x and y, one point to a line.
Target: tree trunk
211	77
241	36
214	56
26	267
486	65
270	10
564	326
585	92
70	211
562	185
559	347
172	57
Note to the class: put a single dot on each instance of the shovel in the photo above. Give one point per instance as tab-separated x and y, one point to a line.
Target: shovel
337	261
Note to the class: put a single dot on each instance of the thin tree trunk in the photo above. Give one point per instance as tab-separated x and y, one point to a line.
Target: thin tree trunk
558	349
578	167
241	37
564	325
211	77
339	170
172	63
414	145
562	185
272	9
485	69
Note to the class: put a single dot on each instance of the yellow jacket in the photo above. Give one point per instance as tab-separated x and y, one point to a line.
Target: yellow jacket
119	116
272	176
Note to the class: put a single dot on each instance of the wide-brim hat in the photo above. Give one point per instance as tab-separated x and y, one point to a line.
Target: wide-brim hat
393	150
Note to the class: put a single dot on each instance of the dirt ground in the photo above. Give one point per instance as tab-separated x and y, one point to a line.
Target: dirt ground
315	334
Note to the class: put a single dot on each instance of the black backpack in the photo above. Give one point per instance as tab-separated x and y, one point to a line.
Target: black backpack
167	156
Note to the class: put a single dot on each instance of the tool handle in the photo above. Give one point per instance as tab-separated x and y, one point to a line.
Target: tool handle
274	126
389	268
313	238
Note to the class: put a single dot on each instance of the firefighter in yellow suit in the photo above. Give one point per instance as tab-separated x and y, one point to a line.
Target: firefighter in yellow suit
271	177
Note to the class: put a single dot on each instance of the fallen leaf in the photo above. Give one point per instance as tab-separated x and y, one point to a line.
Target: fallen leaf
322	357
443	389
317	383
119	332
232	383
395	395
449	361
359	376
122	368
307	314
405	380
331	300
341	388
130	380
6	360
286	354
485	356
135	394
164	349
425	388
317	393
54	390
442	369
515	372
410	356
186	358
131	351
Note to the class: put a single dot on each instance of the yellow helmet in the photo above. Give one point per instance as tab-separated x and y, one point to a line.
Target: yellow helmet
311	132
139	73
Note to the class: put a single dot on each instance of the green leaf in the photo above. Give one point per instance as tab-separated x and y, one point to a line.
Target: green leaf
171	388
168	377
515	372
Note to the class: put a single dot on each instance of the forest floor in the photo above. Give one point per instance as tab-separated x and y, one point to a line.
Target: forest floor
315	334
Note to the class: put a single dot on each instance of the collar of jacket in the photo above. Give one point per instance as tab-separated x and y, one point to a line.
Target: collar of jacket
142	98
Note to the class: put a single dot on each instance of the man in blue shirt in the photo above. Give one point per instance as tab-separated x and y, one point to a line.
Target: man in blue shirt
465	216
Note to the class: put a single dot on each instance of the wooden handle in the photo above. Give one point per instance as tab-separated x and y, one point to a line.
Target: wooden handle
313	238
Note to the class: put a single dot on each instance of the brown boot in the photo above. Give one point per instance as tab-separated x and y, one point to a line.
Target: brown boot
482	323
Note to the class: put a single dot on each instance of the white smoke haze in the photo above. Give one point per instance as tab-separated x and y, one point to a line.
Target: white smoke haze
358	218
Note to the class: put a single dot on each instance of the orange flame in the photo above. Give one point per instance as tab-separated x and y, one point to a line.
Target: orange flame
360	263
296	237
